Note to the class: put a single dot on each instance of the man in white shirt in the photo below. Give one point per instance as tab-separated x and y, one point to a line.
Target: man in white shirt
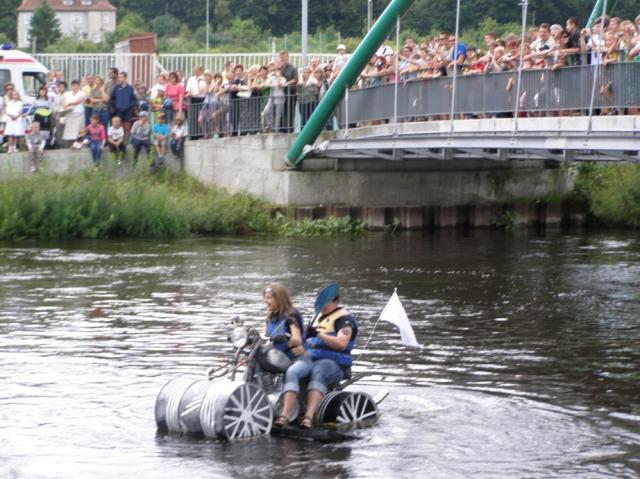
196	88
196	84
340	60
542	44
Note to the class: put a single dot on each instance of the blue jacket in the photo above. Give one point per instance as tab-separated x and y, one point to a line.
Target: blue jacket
331	324
277	325
123	98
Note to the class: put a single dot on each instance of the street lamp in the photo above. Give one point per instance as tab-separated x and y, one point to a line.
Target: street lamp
369	14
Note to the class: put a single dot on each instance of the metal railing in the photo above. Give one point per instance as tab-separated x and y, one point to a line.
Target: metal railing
140	66
256	114
541	91
145	67
215	62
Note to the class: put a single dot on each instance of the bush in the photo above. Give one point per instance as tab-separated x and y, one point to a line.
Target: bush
95	205
612	192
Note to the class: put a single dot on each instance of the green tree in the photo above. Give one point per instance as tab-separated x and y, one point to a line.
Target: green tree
45	26
8	18
165	25
129	24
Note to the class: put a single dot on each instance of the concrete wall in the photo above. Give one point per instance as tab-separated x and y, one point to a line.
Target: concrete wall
67	162
57	162
255	164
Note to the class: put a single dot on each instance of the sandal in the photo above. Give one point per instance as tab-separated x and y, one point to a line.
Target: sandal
306	423
281	421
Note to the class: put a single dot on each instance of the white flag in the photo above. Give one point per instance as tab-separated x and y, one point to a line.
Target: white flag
395	314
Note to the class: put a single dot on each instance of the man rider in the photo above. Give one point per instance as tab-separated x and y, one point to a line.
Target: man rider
330	338
327	359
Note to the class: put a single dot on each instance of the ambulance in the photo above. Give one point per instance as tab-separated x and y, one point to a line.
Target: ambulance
24	71
27	75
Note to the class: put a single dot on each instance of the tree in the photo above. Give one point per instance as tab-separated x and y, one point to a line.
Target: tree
128	25
45	26
165	25
8	18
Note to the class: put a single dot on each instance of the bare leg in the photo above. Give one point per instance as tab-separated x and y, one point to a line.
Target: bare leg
313	401
288	400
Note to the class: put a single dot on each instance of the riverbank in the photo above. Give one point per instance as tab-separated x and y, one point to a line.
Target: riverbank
102	204
611	192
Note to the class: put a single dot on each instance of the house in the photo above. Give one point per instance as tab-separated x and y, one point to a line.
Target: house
84	19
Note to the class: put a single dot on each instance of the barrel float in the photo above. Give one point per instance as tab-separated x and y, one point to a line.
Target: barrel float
189	407
232	410
168	402
346	407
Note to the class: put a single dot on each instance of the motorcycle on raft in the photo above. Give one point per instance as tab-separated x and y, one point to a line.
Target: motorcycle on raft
221	407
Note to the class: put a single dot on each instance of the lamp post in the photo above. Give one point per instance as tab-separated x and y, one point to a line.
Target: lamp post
305	31
369	14
207	27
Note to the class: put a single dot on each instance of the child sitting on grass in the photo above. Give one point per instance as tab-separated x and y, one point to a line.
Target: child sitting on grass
140	134
115	139
178	136
35	145
81	140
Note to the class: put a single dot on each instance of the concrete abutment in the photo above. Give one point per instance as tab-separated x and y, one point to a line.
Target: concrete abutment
415	194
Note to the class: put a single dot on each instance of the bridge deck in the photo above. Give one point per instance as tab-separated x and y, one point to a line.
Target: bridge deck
604	138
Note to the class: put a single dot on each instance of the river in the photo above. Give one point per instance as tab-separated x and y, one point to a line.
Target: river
530	365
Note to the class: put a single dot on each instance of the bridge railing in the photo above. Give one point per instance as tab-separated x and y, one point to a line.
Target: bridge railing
617	86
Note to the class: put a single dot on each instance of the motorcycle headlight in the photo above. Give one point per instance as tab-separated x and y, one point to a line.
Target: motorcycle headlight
238	337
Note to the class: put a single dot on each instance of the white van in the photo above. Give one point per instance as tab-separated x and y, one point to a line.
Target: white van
24	71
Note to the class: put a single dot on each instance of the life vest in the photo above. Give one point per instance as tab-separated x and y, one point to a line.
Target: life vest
280	325
318	349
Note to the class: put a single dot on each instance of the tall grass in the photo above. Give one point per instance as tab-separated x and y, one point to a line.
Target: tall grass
94	204
612	192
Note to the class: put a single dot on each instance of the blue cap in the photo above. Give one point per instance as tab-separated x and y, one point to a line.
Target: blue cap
327	293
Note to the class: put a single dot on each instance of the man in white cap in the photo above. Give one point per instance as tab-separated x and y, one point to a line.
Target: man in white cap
340	60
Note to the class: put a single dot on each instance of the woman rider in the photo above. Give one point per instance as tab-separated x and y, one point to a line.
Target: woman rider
284	326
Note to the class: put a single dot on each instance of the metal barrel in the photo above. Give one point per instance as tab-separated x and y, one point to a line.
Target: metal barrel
167	404
346	407
232	410
189	407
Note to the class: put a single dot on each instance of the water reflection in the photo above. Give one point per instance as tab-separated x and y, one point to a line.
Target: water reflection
530	365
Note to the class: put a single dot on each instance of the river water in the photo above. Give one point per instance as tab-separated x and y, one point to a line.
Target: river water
530	365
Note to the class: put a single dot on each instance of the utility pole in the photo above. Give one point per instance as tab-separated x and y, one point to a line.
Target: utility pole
207	30
305	31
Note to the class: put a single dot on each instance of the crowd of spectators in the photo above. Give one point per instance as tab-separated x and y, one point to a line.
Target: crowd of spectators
99	114
545	47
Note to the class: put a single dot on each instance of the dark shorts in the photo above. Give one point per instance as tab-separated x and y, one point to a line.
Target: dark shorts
125	116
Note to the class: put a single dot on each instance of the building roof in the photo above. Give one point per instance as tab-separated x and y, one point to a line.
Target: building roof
68	5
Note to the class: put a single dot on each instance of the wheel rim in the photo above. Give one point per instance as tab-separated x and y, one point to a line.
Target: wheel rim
357	407
248	413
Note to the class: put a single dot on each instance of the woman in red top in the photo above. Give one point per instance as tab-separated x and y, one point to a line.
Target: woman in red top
174	91
97	138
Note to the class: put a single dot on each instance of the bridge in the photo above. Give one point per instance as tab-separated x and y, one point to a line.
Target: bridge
561	115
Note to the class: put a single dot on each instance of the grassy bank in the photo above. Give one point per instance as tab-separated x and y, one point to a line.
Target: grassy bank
612	192
96	205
